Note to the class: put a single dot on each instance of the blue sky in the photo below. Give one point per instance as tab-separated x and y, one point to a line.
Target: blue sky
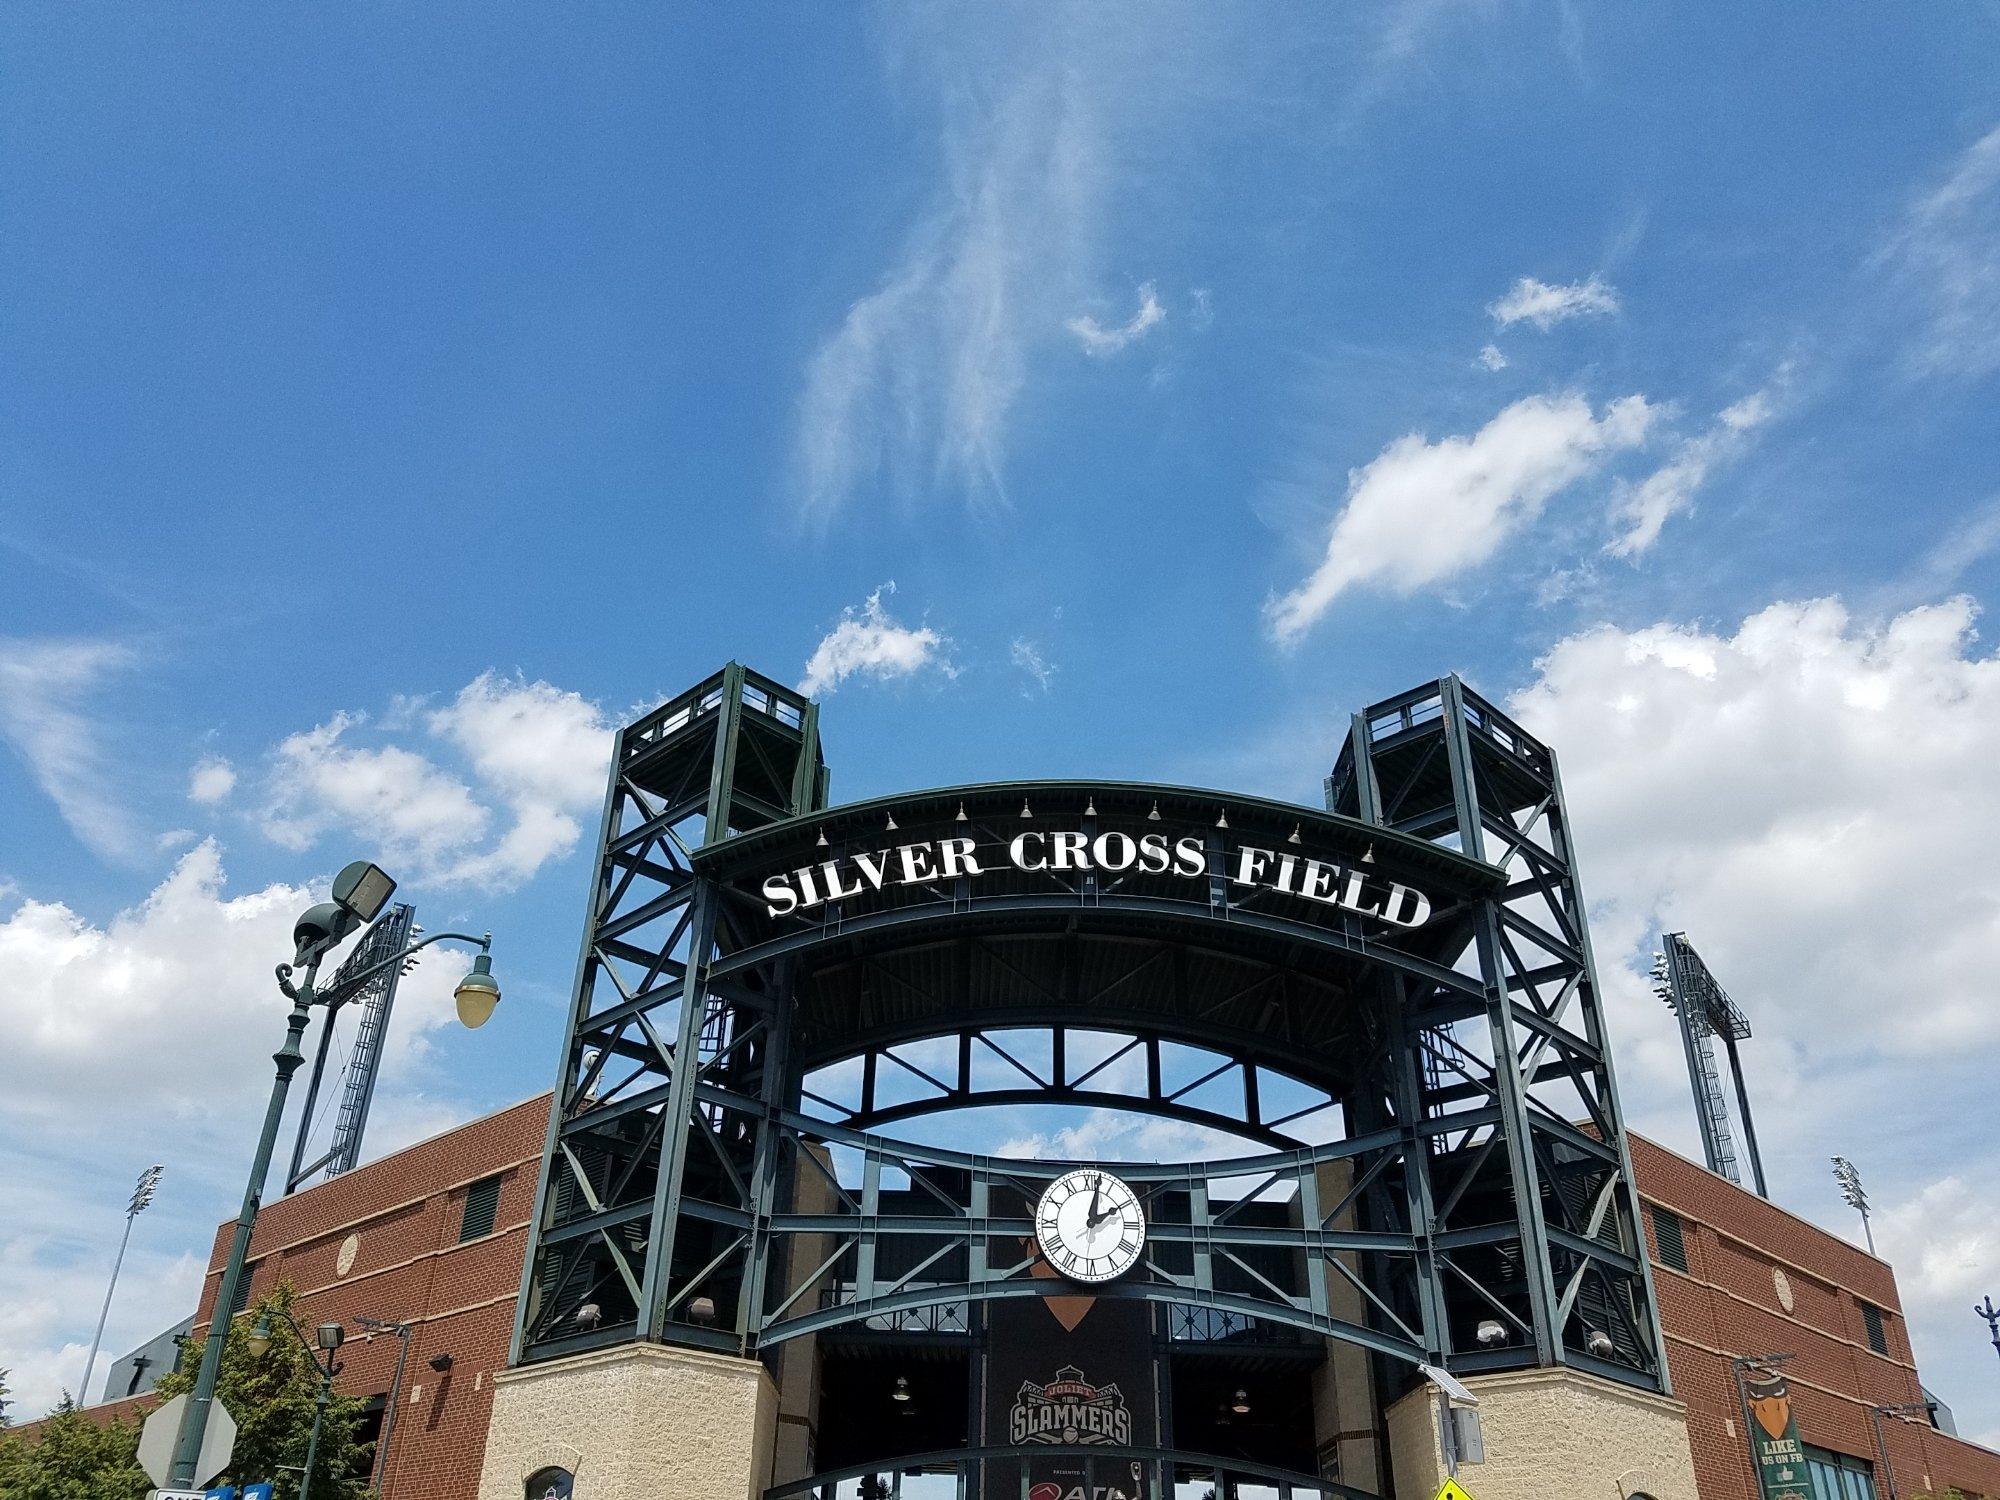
394	400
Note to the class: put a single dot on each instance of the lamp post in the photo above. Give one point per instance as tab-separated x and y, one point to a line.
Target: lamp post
328	1337
402	1333
360	891
1857	1198
1903	1409
1991	1314
141	1196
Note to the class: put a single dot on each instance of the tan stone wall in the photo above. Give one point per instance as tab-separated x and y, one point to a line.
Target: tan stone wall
635	1423
1344	1417
1550	1433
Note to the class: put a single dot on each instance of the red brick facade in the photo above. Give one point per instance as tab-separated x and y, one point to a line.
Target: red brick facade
404	1215
1730	1301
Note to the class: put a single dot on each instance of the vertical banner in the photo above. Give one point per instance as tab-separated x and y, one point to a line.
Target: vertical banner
1775	1454
1072	1373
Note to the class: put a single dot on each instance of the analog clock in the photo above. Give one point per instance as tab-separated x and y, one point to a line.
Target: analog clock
1090	1225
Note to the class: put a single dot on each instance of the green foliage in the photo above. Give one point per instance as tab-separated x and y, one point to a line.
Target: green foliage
70	1457
271	1396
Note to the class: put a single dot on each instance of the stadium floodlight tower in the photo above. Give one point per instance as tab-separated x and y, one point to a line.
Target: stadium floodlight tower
1690	991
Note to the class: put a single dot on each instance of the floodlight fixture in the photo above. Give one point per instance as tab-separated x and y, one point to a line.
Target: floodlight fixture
363	889
330	1336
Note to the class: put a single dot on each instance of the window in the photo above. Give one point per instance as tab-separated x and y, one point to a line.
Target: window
1838	1476
1672	1242
1878	1336
482	1201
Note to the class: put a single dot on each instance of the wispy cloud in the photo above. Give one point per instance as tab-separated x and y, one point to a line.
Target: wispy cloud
1543	305
45	686
1026	655
1946	254
916	387
869	643
1491	358
1099	341
1422	511
1641	509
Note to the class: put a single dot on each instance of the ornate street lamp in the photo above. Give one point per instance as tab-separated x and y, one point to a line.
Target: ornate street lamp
360	892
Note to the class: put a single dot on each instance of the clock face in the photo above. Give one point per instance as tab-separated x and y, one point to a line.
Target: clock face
1090	1225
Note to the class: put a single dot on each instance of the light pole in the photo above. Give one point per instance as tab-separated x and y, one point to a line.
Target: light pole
328	1337
360	891
1856	1196
1991	1314
1904	1409
402	1332
141	1196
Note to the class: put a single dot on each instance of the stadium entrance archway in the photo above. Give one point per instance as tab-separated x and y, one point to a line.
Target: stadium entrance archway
1388	1004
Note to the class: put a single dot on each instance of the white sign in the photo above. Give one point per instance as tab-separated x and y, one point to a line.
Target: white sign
161	1434
1067	851
179	1494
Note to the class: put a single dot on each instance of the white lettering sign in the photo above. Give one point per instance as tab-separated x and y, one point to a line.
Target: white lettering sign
1323	882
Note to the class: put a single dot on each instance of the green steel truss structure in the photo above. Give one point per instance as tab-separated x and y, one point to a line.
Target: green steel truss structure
1441	1140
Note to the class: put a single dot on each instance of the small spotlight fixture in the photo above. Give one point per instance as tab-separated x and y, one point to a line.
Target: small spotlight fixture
1295	836
1599	1343
901	1391
588	1316
1222	818
891	826
1090	807
1154	815
1490	1332
330	1336
1240	1403
961	818
1025	813
702	1310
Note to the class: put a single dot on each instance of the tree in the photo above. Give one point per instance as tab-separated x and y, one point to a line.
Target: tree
70	1457
271	1396
5	1399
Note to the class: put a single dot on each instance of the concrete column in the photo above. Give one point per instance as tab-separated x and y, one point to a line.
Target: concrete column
1550	1433
1343	1388
635	1423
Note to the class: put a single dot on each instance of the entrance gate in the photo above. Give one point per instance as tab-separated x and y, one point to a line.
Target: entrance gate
1393	997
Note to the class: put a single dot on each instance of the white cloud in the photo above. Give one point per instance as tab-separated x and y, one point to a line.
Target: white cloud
212	780
1643	508
1026	655
1099	341
868	643
44	685
147	1037
1537	302
1422	511
1491	358
1946	254
1201	313
532	751
1811	797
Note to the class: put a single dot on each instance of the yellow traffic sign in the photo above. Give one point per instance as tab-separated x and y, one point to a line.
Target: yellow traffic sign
1453	1490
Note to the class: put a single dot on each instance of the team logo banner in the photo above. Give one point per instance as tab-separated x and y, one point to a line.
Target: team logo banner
1774	1439
1070	1383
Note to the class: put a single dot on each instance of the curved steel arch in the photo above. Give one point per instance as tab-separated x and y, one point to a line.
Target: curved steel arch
1165	1462
1157	1092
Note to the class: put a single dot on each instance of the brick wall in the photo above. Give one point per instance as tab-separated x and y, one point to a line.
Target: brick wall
402	1216
1729	1302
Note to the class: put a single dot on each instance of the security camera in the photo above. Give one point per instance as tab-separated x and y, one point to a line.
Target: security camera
1599	1343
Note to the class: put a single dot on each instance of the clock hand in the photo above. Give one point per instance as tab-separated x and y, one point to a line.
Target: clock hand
1096	1191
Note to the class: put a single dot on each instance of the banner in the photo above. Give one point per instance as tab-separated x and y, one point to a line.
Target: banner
1775	1454
1073	1373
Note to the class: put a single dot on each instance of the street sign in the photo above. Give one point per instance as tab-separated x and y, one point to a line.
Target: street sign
179	1495
161	1433
1453	1490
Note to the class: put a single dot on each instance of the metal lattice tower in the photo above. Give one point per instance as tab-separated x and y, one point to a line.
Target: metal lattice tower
1704	1008
377	998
